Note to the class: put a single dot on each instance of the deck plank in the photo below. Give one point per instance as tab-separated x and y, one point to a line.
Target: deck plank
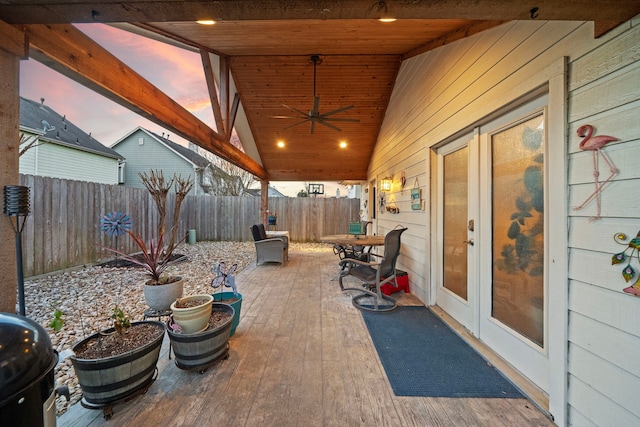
301	355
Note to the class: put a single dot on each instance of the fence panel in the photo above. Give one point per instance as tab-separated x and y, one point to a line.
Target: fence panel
63	227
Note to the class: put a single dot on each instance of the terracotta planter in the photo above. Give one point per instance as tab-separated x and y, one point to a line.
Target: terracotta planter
201	350
160	297
115	378
192	319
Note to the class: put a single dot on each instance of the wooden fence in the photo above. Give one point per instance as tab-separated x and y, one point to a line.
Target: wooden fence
63	228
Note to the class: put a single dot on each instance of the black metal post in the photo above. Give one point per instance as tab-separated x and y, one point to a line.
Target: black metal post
16	204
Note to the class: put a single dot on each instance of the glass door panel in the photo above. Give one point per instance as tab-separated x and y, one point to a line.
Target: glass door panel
455	214
517	177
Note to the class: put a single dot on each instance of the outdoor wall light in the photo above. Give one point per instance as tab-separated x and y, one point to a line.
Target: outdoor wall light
16	205
385	184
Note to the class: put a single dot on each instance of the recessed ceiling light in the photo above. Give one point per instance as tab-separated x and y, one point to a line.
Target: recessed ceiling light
387	19
280	144
343	144
206	22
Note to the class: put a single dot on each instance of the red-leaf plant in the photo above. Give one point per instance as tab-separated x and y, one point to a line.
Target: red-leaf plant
154	258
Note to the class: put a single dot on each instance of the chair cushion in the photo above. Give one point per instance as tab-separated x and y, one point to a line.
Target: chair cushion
263	232
255	231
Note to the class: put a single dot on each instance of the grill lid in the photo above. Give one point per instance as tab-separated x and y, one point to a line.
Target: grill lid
26	354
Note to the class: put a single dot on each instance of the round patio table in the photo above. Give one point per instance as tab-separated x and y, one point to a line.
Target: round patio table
353	240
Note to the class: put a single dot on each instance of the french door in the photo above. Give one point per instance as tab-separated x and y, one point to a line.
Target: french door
491	236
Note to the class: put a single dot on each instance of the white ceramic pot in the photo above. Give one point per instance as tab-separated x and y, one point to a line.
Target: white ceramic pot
193	319
160	297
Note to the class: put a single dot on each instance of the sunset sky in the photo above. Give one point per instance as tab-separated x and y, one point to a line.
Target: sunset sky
175	71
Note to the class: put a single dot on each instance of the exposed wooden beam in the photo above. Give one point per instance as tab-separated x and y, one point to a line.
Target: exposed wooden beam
224	92
211	86
233	113
14	40
70	52
65	11
467	31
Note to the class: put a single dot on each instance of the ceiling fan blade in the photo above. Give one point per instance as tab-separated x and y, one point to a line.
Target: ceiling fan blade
313	126
322	122
316	104
339	110
295	110
296	124
337	119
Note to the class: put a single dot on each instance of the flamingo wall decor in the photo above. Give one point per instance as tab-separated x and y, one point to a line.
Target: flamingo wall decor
595	144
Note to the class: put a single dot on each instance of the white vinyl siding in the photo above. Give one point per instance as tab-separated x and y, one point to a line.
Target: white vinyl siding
58	161
446	91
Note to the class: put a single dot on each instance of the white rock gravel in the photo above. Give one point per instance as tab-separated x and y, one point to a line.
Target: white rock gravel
88	294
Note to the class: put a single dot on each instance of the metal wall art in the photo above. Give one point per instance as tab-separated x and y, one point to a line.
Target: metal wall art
594	144
628	272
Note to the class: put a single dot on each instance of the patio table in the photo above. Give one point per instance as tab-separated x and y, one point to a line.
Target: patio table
353	240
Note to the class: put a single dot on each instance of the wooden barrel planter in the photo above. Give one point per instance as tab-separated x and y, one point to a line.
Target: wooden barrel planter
112	379
201	350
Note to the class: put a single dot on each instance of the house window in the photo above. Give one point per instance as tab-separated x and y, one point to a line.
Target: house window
141	141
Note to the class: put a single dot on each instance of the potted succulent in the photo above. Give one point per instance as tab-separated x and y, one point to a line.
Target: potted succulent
233	298
160	289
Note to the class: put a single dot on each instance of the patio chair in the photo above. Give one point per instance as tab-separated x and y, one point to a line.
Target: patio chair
356	251
373	275
272	249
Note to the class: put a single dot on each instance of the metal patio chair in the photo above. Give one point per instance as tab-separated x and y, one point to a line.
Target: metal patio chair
373	275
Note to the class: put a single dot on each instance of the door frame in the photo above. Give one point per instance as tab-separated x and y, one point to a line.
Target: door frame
553	77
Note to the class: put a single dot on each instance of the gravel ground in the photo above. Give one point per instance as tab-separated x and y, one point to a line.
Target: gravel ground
87	296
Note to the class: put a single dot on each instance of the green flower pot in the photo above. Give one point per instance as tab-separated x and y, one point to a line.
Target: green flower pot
226	296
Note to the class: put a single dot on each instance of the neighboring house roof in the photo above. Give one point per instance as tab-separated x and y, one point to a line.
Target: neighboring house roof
189	155
52	127
257	191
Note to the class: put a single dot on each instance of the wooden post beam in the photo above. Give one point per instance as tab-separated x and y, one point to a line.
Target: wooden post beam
70	52
9	147
264	201
14	41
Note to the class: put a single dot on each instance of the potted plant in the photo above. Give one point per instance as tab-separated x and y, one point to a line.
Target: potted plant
192	313
233	298
200	350
118	362
161	289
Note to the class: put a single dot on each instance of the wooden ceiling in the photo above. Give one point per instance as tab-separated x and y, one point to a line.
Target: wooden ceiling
268	45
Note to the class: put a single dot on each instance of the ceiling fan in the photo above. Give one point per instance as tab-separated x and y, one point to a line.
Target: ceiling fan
314	115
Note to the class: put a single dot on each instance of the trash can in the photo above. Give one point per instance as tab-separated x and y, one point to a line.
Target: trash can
192	237
27	359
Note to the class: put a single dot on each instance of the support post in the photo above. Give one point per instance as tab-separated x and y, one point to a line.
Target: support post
264	200
9	147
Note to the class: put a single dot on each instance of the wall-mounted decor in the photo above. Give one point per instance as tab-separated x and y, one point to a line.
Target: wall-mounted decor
416	199
392	207
403	180
381	202
594	144
628	272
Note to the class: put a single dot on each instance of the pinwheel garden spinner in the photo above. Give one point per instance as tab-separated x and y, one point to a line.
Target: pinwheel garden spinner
628	272
225	277
115	224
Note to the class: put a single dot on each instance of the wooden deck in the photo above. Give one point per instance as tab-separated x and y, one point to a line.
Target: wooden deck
301	356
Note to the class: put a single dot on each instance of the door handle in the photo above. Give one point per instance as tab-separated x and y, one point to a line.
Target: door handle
469	242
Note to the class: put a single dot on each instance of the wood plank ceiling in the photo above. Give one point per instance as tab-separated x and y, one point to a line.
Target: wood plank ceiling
268	45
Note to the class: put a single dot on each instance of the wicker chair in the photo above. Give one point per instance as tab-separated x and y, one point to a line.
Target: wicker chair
374	275
272	249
